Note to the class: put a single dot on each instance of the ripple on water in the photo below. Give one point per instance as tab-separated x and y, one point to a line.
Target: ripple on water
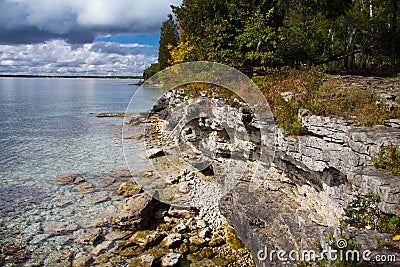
46	221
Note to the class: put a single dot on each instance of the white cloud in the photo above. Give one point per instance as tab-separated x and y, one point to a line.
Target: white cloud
56	36
78	20
57	57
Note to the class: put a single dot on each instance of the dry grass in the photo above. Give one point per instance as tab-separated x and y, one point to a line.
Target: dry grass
322	95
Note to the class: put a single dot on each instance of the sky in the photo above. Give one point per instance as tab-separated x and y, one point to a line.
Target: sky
80	37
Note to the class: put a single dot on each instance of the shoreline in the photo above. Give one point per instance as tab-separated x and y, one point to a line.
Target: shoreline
78	223
73	77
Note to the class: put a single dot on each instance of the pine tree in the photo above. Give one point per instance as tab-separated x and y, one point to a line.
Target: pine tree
168	38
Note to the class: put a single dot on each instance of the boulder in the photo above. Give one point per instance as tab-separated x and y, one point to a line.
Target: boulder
172	241
147	238
155	152
128	189
135	213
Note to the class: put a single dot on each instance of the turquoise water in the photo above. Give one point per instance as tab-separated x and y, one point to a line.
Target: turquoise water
48	127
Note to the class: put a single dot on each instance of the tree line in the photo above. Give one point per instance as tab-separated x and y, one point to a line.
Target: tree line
346	36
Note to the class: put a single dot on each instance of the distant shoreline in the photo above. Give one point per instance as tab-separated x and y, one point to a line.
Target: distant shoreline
72	77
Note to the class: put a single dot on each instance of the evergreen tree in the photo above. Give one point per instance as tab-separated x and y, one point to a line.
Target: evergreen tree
345	35
168	40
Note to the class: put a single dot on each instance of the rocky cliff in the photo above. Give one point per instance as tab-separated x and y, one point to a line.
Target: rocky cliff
315	178
300	198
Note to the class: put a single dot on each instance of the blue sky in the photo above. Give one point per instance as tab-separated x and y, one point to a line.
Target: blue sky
147	39
75	37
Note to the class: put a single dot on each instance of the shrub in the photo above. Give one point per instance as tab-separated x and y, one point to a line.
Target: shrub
388	159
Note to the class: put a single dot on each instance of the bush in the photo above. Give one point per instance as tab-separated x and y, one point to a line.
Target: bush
388	159
363	212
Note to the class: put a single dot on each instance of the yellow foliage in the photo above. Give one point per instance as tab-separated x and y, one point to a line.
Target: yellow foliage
180	53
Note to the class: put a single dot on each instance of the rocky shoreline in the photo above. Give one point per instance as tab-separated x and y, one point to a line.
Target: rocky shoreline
126	227
140	232
301	200
298	204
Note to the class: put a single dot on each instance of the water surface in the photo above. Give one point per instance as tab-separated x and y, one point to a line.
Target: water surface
48	127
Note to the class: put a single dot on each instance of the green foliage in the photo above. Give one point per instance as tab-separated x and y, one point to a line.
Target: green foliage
388	159
168	40
288	119
363	212
150	71
234	102
342	34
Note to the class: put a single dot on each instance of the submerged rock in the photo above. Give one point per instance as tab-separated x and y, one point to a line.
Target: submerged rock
91	237
69	178
59	227
84	187
107	115
100	248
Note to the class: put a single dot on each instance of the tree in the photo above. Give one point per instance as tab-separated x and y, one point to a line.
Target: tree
168	40
350	35
151	70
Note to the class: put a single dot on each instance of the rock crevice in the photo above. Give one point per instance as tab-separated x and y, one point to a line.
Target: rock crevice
302	196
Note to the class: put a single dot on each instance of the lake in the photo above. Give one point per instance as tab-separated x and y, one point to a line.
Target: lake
48	127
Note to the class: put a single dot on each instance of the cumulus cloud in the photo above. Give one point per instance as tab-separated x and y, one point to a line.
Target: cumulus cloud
77	21
57	57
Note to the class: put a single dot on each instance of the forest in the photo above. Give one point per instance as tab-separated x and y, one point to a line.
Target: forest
341	36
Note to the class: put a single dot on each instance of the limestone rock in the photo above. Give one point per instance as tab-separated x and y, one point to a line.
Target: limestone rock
91	237
135	213
170	260
180	212
155	152
172	240
107	115
84	187
101	224
59	227
128	189
147	238
146	260
197	241
82	261
100	248
70	178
